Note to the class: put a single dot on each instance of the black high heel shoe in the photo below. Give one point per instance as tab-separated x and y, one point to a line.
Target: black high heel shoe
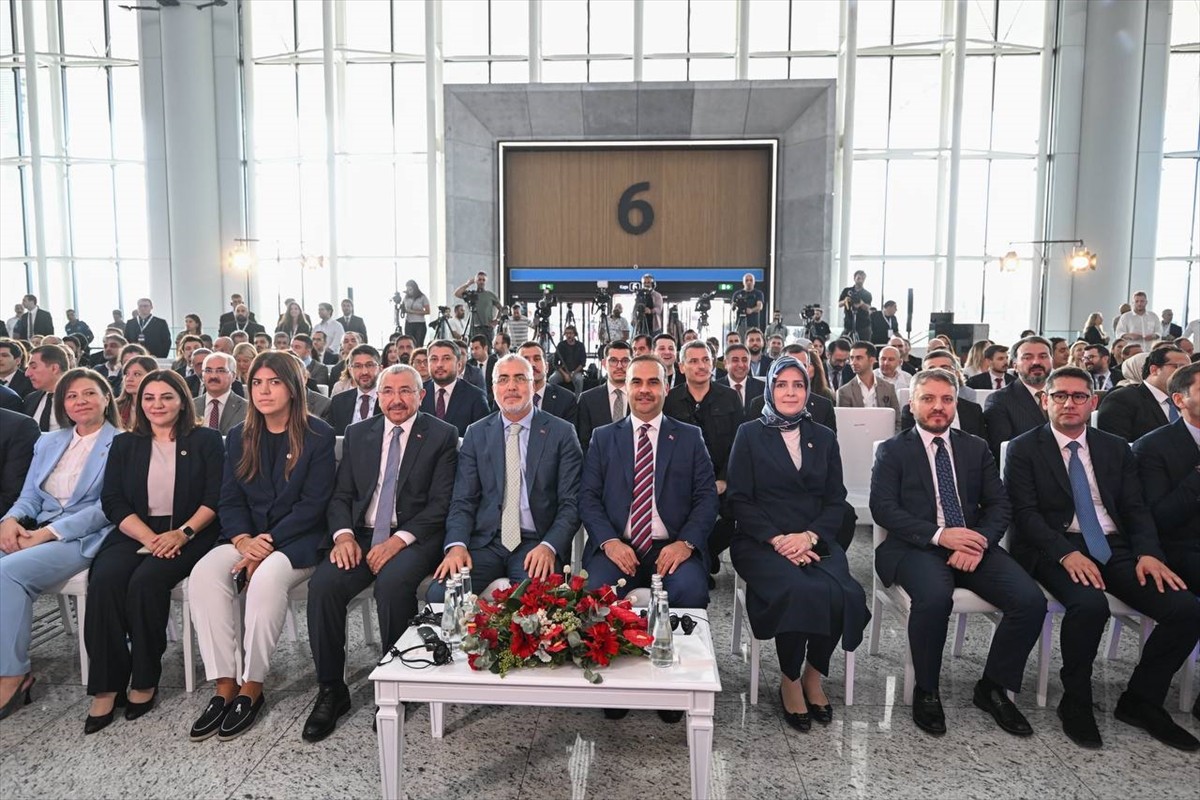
800	721
94	724
822	714
134	710
21	697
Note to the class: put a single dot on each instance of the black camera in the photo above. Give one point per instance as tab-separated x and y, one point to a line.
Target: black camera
471	296
398	298
444	311
704	302
545	304
603	298
809	312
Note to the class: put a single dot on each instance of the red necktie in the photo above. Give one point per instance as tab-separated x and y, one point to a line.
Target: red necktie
441	404
643	493
214	415
999	383
364	407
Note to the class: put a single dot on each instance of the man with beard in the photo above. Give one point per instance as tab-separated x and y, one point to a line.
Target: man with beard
347	408
856	302
111	366
839	372
1096	359
1133	411
219	407
996	376
760	362
968	415
602	405
738	377
148	330
241	320
664	348
448	398
405	345
1016	408
554	400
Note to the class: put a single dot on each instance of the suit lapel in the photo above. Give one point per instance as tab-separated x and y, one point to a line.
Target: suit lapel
1160	416
495	450
1102	466
662	457
93	468
416	438
1050	451
372	447
777	449
917	453
538	434
53	456
961	467
625	457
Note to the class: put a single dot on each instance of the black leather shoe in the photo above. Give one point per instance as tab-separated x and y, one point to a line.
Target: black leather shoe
93	724
616	713
801	721
1079	722
994	700
670	716
927	712
241	716
210	720
822	714
333	700
134	710
1155	721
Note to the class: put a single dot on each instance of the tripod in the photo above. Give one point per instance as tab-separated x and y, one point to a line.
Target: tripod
545	339
441	329
603	332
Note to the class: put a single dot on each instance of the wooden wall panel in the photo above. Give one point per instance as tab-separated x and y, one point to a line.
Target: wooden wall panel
711	207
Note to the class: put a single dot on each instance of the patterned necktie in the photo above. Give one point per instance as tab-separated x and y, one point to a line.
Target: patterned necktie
387	492
537	401
618	408
1085	509
510	517
738	387
44	419
441	404
999	383
214	415
643	493
947	491
364	406
1172	412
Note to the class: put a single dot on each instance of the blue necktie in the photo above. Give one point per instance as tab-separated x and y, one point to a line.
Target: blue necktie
1172	411
1085	509
947	491
386	501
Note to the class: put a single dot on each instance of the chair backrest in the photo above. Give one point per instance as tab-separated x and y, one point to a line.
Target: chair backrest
902	395
981	396
858	430
1094	418
878	532
323	389
337	448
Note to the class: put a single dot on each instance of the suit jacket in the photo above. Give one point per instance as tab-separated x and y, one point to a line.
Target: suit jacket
845	375
561	403
18	435
252	328
593	411
764	366
1043	505
851	396
467	405
318	404
1174	330
43	325
341	411
20	384
552	462
10	400
1008	413
1167	459
752	387
232	413
354	324
970	418
1130	412
685	489
423	484
157	336
318	372
986	380
199	460
82	519
883	328
226	322
291	509
31	405
904	502
818	406
718	418
473	375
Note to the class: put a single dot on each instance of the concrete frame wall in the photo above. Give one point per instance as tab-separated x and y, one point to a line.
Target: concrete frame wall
800	114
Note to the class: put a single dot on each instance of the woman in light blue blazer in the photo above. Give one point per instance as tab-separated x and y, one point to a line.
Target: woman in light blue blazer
57	525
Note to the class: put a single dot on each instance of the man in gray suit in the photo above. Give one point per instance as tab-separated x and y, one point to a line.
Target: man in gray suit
866	390
302	346
218	406
530	461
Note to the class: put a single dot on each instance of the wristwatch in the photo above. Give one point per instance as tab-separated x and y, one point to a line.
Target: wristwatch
188	532
690	546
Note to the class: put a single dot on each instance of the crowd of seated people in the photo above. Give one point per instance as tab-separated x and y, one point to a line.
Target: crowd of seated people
213	460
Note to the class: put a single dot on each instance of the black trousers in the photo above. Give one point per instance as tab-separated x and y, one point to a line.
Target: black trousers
130	596
1184	559
1176	612
331	589
999	580
796	648
417	331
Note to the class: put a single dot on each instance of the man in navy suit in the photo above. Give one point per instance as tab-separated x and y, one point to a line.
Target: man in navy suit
148	330
683	501
556	400
514	510
1133	411
1083	529
937	492
738	377
347	408
598	404
1011	411
446	397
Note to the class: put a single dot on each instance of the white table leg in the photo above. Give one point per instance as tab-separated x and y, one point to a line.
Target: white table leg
435	719
390	724
700	736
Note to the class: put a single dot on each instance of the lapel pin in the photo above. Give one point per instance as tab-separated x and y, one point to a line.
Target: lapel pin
671	436
810	444
419	436
183	452
289	455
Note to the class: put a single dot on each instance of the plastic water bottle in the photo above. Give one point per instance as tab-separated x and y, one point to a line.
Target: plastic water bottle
662	651
464	577
451	631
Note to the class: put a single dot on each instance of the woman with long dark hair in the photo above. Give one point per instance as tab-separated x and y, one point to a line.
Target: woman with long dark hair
278	478
416	309
294	321
161	487
132	374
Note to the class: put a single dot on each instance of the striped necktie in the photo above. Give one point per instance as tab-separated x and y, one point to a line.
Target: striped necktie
640	512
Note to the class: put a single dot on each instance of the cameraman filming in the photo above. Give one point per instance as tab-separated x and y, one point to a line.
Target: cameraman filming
749	302
814	326
650	320
856	301
483	303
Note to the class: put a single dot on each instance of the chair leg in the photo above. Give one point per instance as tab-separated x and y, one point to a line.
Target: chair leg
64	613
1188	686
960	634
1114	638
1045	643
849	678
81	614
172	630
292	633
189	665
876	625
736	640
755	653
910	673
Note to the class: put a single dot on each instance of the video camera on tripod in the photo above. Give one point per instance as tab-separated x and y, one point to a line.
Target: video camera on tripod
603	298
546	304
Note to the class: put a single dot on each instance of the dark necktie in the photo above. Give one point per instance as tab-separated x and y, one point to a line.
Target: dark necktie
1085	509
948	493
364	406
738	388
386	501
44	419
441	404
1172	412
214	415
640	512
999	383
537	401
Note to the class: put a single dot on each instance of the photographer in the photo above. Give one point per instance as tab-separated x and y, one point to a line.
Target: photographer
483	303
814	326
571	358
614	328
414	306
749	303
648	311
856	302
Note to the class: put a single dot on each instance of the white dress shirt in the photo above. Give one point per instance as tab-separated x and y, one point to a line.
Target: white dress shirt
740	388
1145	325
62	480
927	438
868	395
1106	522
901	380
372	507
1192	331
1163	400
332	329
208	401
657	529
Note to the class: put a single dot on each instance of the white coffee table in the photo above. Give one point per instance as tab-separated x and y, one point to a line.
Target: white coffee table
691	685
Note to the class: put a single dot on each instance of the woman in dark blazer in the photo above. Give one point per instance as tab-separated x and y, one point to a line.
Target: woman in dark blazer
278	478
161	487
786	492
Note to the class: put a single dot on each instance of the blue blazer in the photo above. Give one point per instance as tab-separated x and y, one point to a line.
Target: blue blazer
82	518
552	462
292	510
685	488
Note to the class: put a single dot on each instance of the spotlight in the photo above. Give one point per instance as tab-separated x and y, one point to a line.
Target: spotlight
1081	259
1011	262
241	259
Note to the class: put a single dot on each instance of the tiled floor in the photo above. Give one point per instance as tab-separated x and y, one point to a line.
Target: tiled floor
871	750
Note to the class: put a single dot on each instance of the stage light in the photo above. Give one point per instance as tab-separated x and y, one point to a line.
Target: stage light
1081	259
1011	262
242	259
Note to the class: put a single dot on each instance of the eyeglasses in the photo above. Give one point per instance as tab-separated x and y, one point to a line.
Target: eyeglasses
619	362
215	371
1078	398
504	380
403	391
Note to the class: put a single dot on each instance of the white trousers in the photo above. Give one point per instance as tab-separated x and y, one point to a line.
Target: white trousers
216	607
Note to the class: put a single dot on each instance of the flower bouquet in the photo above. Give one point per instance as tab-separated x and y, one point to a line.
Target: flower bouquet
553	621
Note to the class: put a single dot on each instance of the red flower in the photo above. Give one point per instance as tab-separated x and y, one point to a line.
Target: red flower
554	581
471	659
557	647
585	604
625	614
500	595
577	583
601	643
523	645
487	607
489	635
636	637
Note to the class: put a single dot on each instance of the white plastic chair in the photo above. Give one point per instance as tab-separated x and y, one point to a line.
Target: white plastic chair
903	395
981	396
858	430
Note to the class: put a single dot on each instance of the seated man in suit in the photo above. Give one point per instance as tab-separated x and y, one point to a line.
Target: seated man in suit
1082	529
738	377
1011	411
938	494
388	515
46	366
1133	411
602	405
839	372
302	346
996	376
18	435
556	400
347	408
514	510
968	416
218	406
866	391
12	356
649	496
446	397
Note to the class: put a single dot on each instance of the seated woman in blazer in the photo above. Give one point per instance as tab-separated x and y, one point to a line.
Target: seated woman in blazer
278	478
57	525
161	488
786	492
